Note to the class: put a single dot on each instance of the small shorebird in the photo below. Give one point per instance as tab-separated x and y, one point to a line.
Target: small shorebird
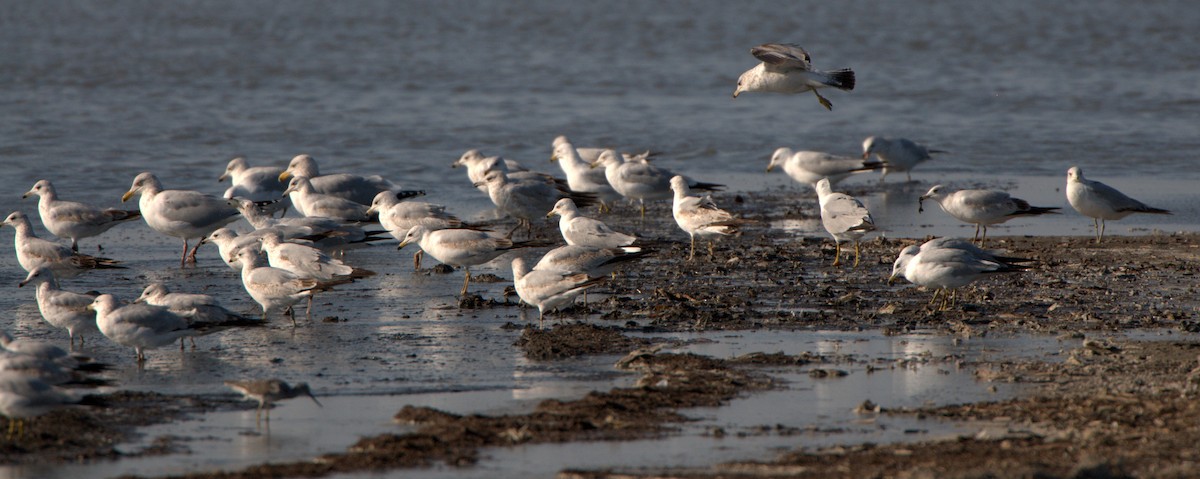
268	391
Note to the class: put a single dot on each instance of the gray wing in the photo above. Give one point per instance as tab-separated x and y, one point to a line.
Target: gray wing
194	207
782	57
842	213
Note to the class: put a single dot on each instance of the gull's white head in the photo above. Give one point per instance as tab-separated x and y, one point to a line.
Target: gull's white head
41	188
520	268
17	219
778	158
153	290
561	140
103	304
679	185
901	263
38	275
143	182
414	235
823	188
220	236
936	193
1074	174
235	166
301	165
246	257
382	201
494	177
607	159
564	207
868	147
298	183
467	158
748	81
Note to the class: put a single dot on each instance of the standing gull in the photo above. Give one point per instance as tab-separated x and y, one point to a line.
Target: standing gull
527	200
547	289
581	176
844	217
273	288
641	181
1102	202
268	391
787	68
142	326
397	216
462	247
310	202
808	167
255	183
981	207
356	188
72	220
33	252
699	216
193	306
583	231
946	267
477	166
62	309
183	214
897	154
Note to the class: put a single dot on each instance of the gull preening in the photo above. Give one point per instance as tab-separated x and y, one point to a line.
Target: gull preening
699	216
72	220
580	230
478	165
787	68
33	252
269	391
356	188
310	202
548	289
981	207
642	181
462	247
897	154
946	266
1101	202
184	214
809	167
844	217
255	183
62	309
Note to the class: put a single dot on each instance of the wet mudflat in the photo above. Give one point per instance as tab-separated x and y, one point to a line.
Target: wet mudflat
1095	398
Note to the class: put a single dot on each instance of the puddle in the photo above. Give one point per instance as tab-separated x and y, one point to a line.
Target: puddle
907	370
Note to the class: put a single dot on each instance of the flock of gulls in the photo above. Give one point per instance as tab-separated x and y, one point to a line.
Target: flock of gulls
301	221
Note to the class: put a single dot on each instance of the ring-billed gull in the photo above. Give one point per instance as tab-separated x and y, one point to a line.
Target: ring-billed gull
546	289
309	202
462	247
356	188
589	260
787	68
194	307
325	233
23	397
580	175
398	216
33	252
529	200
256	183
897	154
1102	202
699	216
844	217
946	267
808	167
641	181
184	214
275	289
580	230
268	391
62	309
981	207
478	165
589	155
229	241
142	326
72	220
306	261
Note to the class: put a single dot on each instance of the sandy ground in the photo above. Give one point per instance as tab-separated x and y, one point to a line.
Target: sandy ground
1110	410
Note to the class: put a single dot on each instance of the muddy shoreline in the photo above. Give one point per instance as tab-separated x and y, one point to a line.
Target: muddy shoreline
768	279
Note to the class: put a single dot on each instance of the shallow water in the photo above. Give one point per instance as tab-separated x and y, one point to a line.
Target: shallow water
93	93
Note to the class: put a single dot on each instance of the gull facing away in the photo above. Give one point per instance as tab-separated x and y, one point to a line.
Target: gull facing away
62	309
946	267
1102	202
699	216
33	252
356	188
844	217
183	214
787	68
981	207
809	167
897	154
548	289
255	183
583	231
642	181
581	176
462	247
72	220
269	391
